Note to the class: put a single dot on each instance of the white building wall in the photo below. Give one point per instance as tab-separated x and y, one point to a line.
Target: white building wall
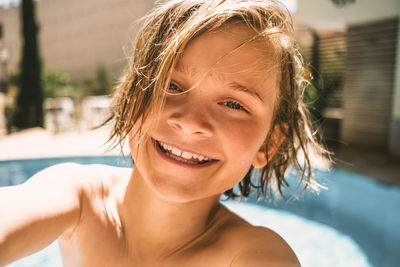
77	36
9	19
323	13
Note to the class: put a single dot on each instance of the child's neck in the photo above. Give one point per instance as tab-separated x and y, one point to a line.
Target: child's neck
158	228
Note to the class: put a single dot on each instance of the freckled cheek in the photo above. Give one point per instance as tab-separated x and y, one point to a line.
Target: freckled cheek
243	139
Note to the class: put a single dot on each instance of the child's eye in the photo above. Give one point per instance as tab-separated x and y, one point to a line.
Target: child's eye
173	88
234	105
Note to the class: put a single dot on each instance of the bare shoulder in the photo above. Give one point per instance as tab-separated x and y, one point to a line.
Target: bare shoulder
97	189
264	247
84	185
257	246
105	179
47	206
80	176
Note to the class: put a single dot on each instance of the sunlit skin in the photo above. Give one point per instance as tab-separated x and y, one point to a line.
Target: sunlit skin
165	212
215	119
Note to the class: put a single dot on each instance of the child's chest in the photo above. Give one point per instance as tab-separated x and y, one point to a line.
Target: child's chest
102	250
97	241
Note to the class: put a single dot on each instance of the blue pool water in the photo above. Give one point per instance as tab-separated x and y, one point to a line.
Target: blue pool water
353	223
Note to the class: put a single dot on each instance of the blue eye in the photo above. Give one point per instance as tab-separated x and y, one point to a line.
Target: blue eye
234	105
174	88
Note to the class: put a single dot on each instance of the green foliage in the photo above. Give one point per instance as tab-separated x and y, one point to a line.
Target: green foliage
326	86
28	111
99	83
57	83
13	78
341	3
311	93
332	71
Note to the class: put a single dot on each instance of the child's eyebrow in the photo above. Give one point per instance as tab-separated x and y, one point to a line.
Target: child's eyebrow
238	87
186	69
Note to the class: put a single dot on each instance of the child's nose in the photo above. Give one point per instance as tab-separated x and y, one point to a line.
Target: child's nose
191	120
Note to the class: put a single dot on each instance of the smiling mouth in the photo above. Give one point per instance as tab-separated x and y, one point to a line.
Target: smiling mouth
182	156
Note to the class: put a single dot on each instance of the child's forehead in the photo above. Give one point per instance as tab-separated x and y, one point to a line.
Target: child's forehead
233	35
231	45
219	55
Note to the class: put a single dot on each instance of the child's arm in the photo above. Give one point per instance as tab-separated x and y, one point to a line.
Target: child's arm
34	214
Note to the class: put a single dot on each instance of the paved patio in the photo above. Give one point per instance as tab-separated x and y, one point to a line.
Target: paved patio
39	143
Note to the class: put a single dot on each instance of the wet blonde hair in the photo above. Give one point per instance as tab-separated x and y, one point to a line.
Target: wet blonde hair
166	31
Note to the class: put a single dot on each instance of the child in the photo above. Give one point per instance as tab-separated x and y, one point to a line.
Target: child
212	95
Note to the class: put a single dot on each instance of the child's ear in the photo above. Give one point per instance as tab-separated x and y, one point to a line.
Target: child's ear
275	141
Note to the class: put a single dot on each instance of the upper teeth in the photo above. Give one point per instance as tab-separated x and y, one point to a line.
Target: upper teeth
183	154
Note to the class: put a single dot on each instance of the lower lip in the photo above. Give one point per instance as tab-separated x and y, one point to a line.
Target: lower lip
180	163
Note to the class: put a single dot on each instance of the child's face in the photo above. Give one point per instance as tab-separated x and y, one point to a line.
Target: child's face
225	118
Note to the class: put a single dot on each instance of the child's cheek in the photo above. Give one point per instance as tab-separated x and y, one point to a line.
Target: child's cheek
244	140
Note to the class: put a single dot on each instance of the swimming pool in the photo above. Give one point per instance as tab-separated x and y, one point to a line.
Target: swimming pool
353	223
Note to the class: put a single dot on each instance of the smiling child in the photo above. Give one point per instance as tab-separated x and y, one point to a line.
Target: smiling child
212	96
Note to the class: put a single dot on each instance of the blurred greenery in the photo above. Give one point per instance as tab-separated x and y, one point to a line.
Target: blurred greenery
28	111
55	82
326	81
58	83
325	91
99	83
341	3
